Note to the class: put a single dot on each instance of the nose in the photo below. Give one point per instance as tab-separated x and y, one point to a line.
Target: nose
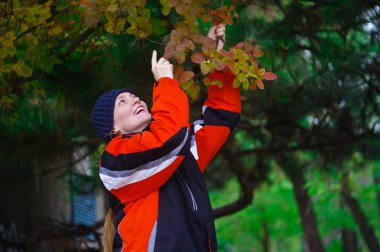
135	100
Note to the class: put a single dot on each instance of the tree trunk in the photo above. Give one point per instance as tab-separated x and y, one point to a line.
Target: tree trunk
367	231
265	240
350	243
376	180
305	209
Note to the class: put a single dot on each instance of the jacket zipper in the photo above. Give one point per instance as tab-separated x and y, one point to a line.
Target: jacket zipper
195	206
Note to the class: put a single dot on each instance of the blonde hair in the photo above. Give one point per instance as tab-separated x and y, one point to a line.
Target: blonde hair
109	226
109	231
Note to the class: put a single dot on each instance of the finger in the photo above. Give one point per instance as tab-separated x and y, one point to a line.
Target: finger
220	25
220	34
161	61
221	29
154	58
211	31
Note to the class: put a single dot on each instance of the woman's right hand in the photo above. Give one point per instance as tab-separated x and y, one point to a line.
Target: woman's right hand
162	68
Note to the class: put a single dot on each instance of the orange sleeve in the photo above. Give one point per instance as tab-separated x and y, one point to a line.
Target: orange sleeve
220	114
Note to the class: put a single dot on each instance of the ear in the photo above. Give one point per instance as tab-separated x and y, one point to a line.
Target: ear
115	131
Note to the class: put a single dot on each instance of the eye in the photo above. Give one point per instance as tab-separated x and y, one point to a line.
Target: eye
121	101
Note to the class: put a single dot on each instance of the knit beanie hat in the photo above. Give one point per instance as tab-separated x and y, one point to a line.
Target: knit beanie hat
102	113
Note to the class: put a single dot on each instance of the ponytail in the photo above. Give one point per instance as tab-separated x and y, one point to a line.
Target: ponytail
109	231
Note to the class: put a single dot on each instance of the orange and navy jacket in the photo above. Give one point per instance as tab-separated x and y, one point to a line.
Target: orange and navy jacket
154	178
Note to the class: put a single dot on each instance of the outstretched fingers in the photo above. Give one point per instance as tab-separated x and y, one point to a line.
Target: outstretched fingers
154	58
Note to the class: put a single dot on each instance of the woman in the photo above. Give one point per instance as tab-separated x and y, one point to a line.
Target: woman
153	163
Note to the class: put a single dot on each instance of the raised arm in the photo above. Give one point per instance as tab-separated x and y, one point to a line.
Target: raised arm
220	112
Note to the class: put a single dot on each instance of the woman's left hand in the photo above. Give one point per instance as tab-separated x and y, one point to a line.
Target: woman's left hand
217	32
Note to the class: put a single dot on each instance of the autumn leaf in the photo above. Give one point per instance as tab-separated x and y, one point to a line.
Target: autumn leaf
198	57
270	76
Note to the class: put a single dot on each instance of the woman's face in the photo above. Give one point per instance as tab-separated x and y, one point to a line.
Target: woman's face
130	114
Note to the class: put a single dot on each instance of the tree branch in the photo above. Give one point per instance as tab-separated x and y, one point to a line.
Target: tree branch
303	146
79	40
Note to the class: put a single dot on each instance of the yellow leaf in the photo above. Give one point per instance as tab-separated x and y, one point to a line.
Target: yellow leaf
10	47
6	68
112	8
206	81
261	72
111	16
57	29
130	30
35	41
3	53
26	71
165	10
109	27
187	85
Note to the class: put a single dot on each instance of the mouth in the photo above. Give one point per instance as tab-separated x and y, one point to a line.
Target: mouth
138	110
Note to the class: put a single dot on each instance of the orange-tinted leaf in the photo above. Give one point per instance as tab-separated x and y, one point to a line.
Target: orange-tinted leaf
175	36
197	38
208	45
186	76
255	68
231	65
248	47
206	81
180	8
225	53
257	53
219	65
197	57
178	72
239	45
252	84
270	76
260	83
169	51
191	45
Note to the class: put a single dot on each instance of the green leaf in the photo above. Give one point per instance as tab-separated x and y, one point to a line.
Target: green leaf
27	71
217	82
130	30
246	84
236	83
158	26
205	67
3	53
